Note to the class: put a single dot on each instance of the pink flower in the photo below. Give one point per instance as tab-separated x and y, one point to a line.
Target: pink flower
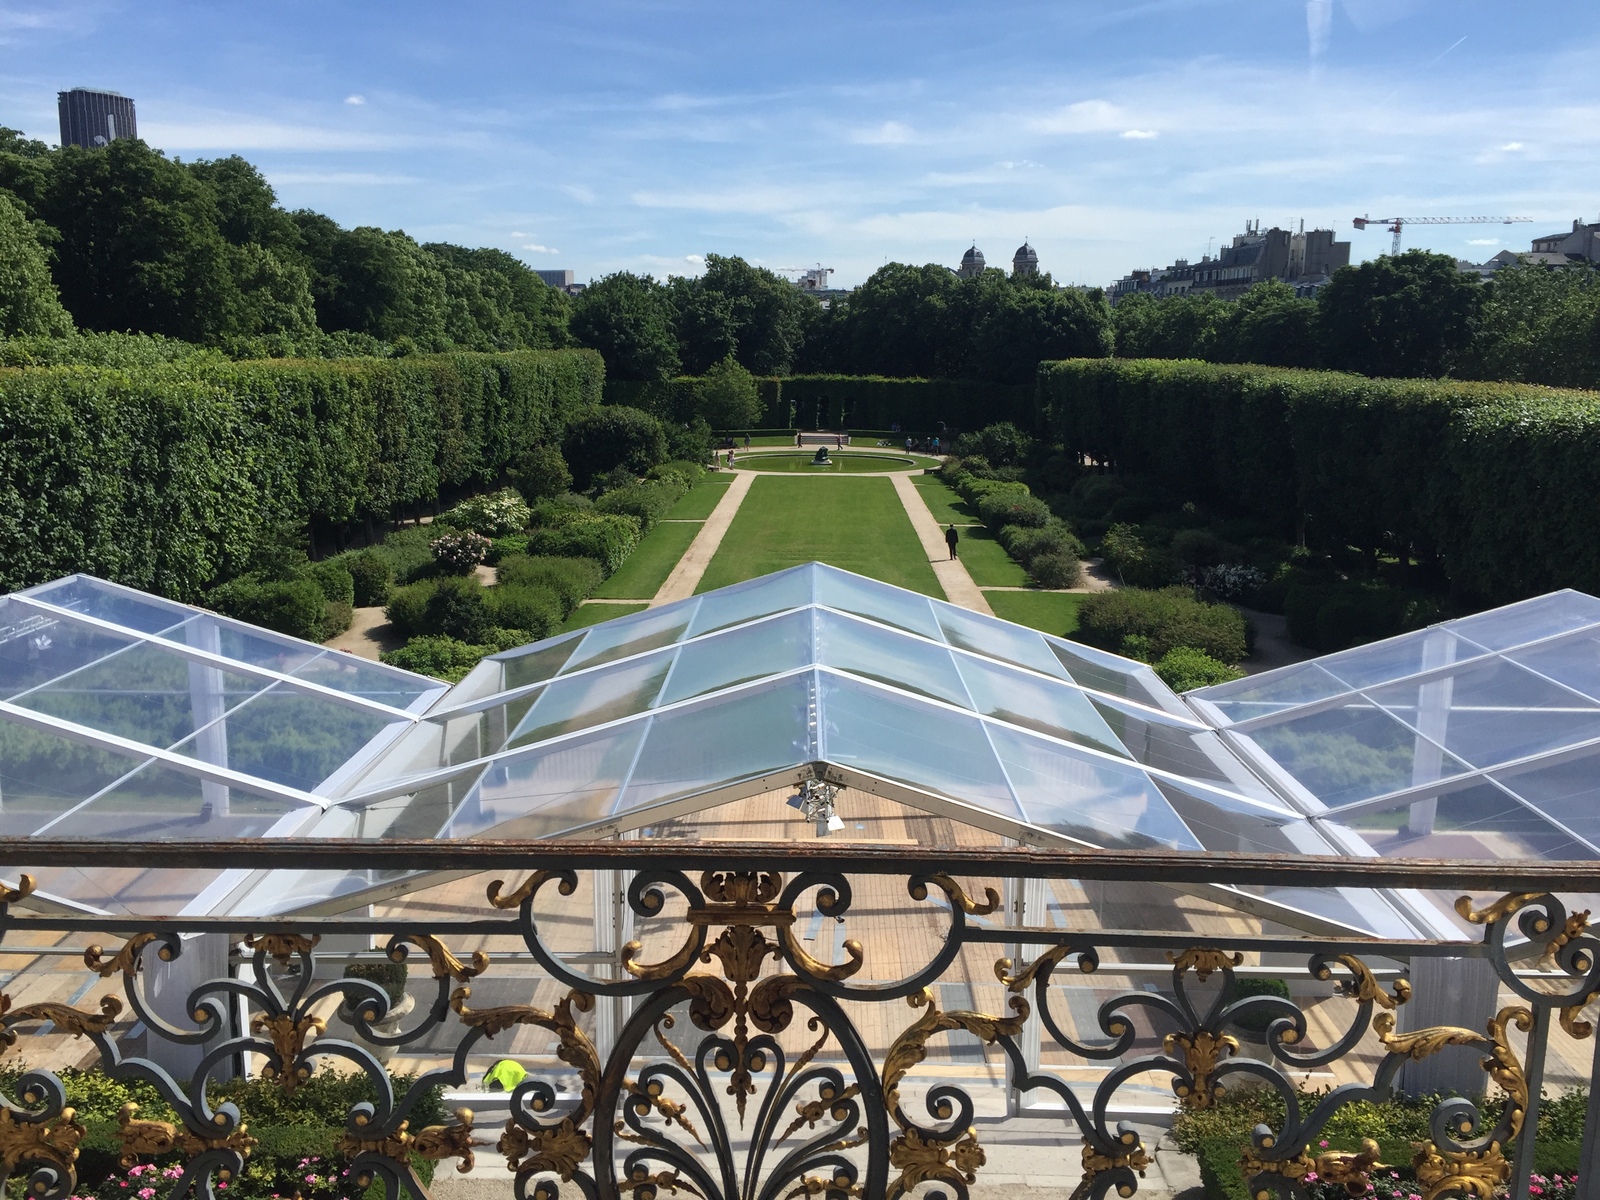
1323	1144
146	1192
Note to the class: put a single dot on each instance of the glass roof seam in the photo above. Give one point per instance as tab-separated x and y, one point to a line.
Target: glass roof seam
1534	671
84	803
1546	817
185	764
66	675
1295	794
633	765
237	666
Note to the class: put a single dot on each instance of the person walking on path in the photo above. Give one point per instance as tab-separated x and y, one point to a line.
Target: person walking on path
951	537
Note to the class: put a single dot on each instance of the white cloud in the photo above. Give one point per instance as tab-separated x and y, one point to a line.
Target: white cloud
517	234
1483	241
339	178
582	195
535	248
356	99
1140	135
1319	25
695	260
1512	147
1086	116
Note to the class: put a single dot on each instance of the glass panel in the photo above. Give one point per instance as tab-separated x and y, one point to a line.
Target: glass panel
1220	828
1110	673
1275	691
124	891
712	663
1541	617
1354	752
863	648
42	775
1039	704
876	601
1397	657
145	693
164	802
622	636
106	602
36	647
1477	822
1196	754
373	681
544	793
593	698
902	738
994	638
1493	712
539	662
1569	792
1574	661
1106	804
231	639
743	735
756	598
286	737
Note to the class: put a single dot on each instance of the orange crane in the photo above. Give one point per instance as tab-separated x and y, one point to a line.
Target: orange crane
1396	224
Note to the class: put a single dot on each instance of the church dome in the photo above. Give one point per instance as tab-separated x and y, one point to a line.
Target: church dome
973	258
1025	261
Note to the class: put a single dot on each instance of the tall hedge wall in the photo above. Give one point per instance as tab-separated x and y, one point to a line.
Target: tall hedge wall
917	405
165	478
1502	480
675	400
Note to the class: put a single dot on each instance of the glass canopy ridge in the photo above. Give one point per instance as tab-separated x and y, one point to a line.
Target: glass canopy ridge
1474	738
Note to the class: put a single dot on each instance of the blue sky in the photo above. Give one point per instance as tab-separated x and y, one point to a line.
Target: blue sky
610	134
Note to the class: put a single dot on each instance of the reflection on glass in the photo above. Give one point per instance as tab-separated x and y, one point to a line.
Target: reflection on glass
1108	672
1530	620
1033	703
164	802
1104	803
875	601
539	662
1197	754
752	732
864	648
243	643
356	677
754	598
998	639
1477	822
545	793
145	693
1397	657
1354	752
1574	661
1568	792
1222	828
593	698
286	737
902	738
1492	712
36	647
709	664
1275	691
107	602
622	636
43	775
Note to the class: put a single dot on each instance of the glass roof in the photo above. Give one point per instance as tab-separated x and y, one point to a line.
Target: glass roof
127	716
1476	738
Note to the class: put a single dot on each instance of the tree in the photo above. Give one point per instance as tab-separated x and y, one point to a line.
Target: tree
1188	326
629	319
1022	325
509	307
899	322
727	397
246	207
372	281
29	303
1269	324
1539	326
1411	315
541	472
762	314
611	437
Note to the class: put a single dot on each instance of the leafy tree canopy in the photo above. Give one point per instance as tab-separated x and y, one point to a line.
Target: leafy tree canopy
629	319
1398	316
29	304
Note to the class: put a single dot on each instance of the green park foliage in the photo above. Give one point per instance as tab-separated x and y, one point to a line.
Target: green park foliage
1497	481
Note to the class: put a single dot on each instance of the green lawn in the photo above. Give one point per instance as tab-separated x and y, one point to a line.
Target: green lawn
857	524
1052	612
986	560
947	507
697	505
647	568
841	462
593	614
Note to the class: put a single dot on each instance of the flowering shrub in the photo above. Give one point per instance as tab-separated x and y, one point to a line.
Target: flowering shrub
495	515
1393	1185
1230	581
310	1177
459	552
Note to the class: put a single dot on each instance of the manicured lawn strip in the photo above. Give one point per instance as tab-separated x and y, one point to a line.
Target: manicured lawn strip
1050	612
942	501
697	505
593	614
857	524
986	560
640	577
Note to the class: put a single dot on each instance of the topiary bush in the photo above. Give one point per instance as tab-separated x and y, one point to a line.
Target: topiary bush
441	657
646	502
1165	619
296	607
371	575
610	437
452	605
1184	668
1001	508
1055	536
686	473
572	579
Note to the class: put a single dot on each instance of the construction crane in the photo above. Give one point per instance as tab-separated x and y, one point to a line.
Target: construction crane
1396	224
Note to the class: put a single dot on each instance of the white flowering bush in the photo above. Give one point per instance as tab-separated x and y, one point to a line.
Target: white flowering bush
458	553
494	515
1230	581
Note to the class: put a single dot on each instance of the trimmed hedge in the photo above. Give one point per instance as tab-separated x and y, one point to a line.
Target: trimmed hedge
677	401
166	478
608	538
1147	624
1500	480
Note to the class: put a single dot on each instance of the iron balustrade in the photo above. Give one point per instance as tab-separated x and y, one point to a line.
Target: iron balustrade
773	1092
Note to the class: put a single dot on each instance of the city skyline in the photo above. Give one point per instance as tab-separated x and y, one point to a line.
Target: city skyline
641	136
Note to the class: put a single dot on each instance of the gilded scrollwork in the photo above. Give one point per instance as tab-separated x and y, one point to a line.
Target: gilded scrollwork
24	889
1203	1051
1129	1157
51	1142
283	946
444	963
1203	960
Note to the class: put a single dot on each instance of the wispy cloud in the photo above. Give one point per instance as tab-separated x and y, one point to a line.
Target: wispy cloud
1139	135
355	99
1483	241
1319	26
341	178
890	133
535	248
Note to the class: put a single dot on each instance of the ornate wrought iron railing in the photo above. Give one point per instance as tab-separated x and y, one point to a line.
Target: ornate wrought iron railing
733	1064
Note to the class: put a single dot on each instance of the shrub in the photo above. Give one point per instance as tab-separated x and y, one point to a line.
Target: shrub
686	473
493	515
1001	444
458	553
541	472
441	657
726	397
611	437
407	609
530	608
1333	615
452	605
390	976
1054	570
1183	668
605	537
1136	562
1002	508
334	580
1025	542
646	502
572	579
689	442
1257	1022
1230	581
370	576
1167	618
407	553
296	607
